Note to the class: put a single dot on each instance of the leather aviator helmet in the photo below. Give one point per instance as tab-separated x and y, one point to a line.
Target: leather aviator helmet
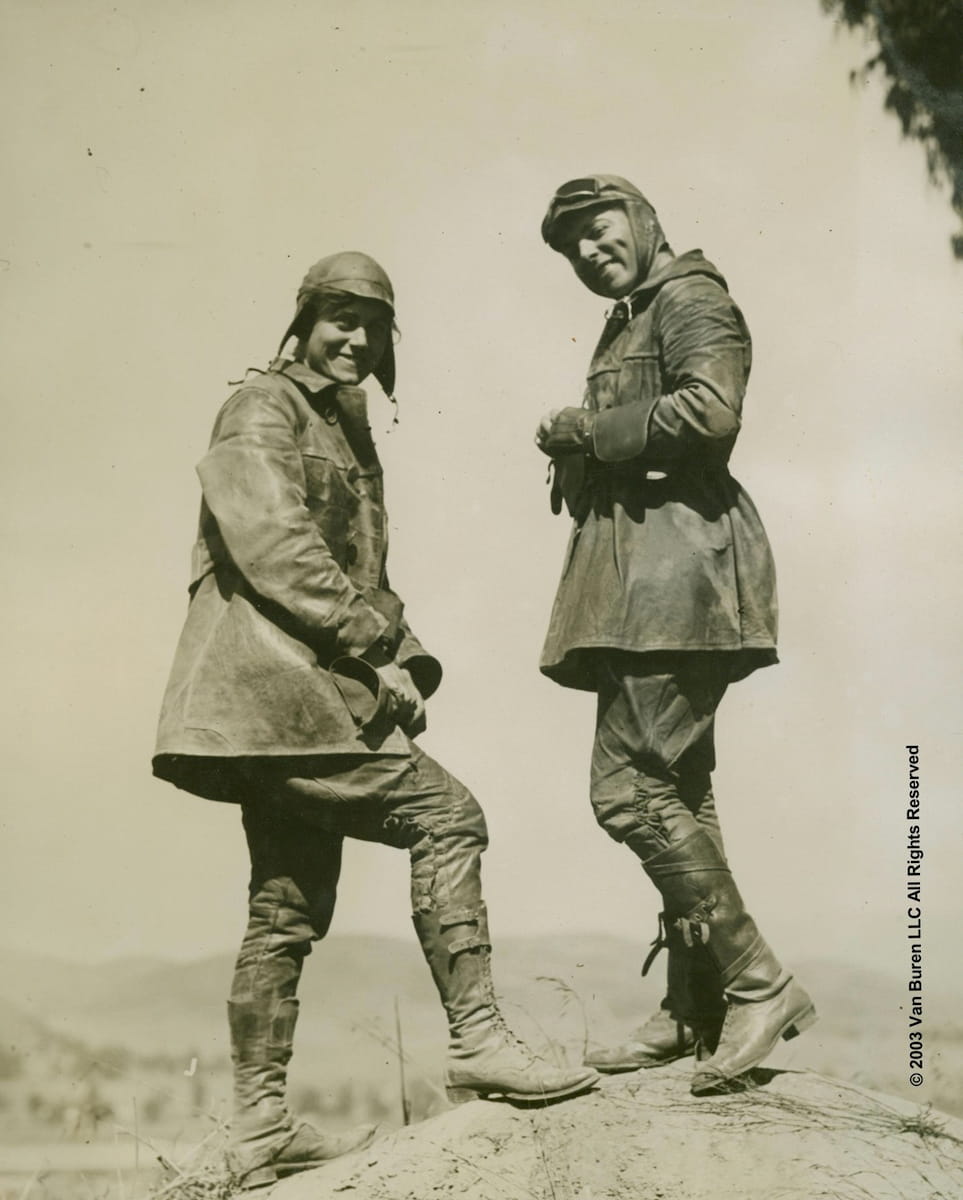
354	274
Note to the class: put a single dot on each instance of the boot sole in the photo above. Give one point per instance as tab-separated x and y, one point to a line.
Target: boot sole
626	1065
462	1095
262	1177
266	1176
275	1172
716	1082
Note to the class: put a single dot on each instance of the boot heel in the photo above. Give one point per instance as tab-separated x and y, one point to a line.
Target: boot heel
460	1095
801	1024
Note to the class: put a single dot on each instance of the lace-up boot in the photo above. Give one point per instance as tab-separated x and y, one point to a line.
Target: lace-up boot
485	1058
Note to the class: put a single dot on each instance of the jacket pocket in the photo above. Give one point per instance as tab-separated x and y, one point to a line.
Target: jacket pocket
325	479
331	500
639	379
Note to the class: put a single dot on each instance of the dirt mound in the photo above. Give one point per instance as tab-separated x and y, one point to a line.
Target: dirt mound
643	1137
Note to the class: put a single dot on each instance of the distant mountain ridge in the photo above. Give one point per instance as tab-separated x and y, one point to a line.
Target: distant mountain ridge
564	989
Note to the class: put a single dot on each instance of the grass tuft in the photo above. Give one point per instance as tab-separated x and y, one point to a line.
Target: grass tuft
205	1174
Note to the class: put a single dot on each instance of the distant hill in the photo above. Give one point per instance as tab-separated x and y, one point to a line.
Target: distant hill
562	989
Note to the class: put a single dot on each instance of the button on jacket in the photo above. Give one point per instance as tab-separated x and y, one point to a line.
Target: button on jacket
667	552
288	574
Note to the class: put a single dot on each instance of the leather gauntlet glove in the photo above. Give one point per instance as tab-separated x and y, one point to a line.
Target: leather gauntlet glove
569	433
370	703
568	484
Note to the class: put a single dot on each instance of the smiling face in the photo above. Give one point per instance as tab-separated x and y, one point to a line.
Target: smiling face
601	246
348	339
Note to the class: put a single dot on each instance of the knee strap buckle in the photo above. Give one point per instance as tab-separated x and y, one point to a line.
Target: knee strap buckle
660	943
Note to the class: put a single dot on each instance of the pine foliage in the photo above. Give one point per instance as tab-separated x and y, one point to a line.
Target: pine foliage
919	49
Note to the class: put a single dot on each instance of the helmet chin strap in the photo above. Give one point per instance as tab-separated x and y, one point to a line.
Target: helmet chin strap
648	236
396	417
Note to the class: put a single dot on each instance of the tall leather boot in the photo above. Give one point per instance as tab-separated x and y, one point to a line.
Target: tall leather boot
664	1036
763	1001
690	1014
266	1144
484	1057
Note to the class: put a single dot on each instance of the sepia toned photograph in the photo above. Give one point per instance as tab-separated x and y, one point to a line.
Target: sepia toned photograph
482	639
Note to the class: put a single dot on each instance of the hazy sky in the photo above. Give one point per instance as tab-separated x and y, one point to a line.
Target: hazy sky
173	169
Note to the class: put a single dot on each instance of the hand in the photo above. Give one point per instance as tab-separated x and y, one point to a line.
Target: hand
565	431
545	428
408	708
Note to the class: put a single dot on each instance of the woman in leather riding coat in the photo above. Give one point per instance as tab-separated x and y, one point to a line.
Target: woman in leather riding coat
296	692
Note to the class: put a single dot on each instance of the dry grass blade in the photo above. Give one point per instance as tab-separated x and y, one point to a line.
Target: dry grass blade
204	1175
536	1137
571	997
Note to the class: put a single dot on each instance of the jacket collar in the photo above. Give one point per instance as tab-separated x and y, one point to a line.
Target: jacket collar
693	262
301	373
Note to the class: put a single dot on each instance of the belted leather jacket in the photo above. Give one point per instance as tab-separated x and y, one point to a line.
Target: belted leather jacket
288	575
667	551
